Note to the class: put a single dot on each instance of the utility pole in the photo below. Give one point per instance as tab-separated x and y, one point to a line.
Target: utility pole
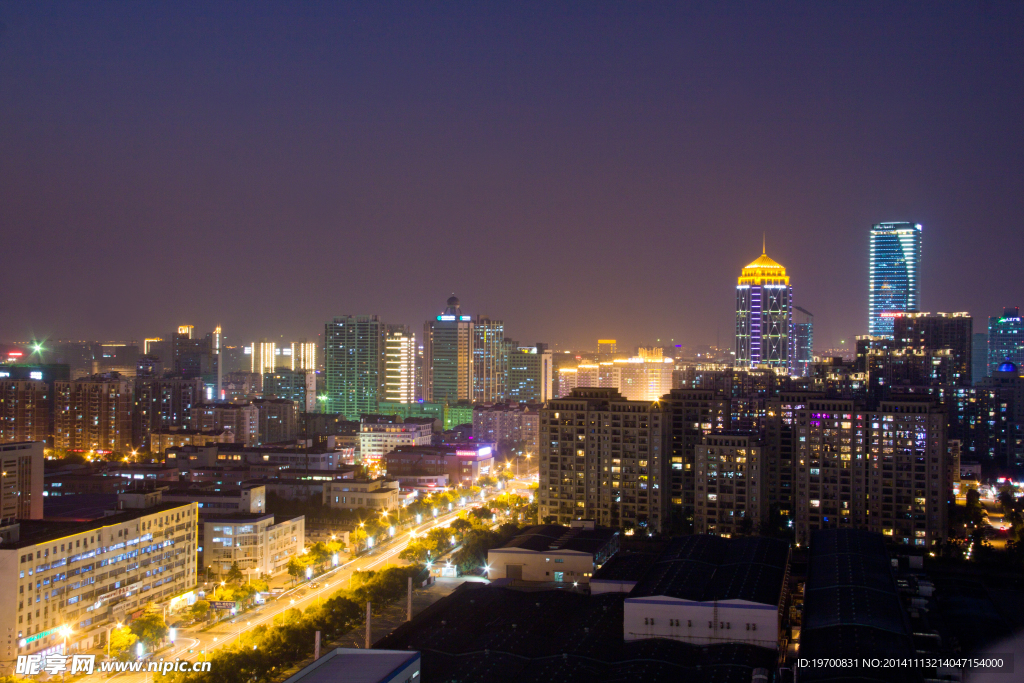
367	625
408	607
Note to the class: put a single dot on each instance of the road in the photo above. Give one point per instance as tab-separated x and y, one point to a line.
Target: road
199	645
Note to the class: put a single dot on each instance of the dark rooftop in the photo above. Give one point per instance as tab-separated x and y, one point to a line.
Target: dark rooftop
852	607
33	531
489	634
554	537
625	567
704	568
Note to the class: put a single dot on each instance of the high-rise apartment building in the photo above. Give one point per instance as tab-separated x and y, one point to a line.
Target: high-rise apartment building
240	419
893	274
399	365
508	424
606	346
448	356
21	496
764	316
692	414
278	420
263	357
490	360
94	413
568	379
925	332
530	374
162	403
604	458
882	470
303	355
25	410
353	364
731	484
193	356
1005	339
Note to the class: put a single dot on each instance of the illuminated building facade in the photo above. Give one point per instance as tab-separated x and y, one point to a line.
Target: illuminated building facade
490	360
1005	339
399	365
263	357
803	342
604	458
606	346
94	413
295	385
894	261
353	364
25	406
731	482
764	316
927	332
161	404
530	376
448	356
303	355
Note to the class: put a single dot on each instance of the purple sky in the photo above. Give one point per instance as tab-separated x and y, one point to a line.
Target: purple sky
578	170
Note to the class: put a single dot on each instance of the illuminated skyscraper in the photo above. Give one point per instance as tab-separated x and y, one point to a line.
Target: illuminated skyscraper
399	365
1005	339
448	343
353	364
893	271
803	343
303	355
264	357
490	360
764	315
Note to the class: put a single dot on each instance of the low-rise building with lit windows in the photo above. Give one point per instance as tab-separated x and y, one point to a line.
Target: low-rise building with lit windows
259	543
374	494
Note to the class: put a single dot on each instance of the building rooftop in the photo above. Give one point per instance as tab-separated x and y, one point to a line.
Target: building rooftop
488	634
852	607
705	568
34	531
627	567
548	537
355	666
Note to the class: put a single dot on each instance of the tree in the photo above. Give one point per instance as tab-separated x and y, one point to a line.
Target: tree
150	628
234	574
122	640
200	610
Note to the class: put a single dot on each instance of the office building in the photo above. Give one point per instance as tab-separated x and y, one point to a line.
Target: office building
1005	339
882	470
376	495
21	496
81	575
257	543
381	434
94	414
449	356
399	365
894	263
606	346
530	374
26	410
193	357
764	316
353	364
568	379
240	419
641	379
731	485
295	385
936	332
803	342
302	356
490	360
604	458
162	404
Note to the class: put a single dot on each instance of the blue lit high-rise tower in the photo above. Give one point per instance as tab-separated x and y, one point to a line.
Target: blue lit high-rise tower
1005	339
894	268
764	315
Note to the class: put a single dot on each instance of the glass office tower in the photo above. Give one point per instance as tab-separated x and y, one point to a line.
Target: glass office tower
893	271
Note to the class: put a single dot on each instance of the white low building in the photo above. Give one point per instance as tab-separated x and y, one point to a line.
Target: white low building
707	590
553	553
374	494
256	542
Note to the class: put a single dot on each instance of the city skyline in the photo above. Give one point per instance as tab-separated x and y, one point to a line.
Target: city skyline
154	133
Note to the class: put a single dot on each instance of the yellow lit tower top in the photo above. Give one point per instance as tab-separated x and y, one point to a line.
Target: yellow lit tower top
763	271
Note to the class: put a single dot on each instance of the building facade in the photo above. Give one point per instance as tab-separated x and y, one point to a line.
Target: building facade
94	414
939	332
604	458
399	365
731	485
353	364
259	545
26	407
449	356
894	263
240	419
1005	339
530	374
490	360
381	434
764	316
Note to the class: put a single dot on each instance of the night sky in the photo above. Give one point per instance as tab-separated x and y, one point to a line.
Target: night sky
577	170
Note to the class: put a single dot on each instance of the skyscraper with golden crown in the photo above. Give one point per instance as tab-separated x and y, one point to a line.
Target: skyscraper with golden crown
764	316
